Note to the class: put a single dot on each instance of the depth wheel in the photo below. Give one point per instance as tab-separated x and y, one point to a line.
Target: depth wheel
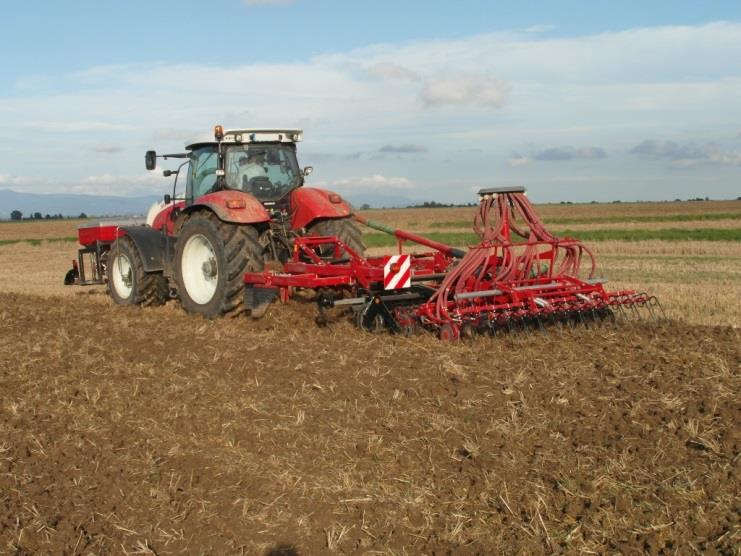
211	257
450	333
128	283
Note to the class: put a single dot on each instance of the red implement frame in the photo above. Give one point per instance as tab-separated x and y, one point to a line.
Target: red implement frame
518	274
326	262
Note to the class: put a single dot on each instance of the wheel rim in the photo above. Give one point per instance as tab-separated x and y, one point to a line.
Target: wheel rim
199	269
122	276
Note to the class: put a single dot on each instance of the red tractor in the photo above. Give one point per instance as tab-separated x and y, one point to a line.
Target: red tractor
244	204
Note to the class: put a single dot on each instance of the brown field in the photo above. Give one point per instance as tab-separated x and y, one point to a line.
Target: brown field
149	431
39	229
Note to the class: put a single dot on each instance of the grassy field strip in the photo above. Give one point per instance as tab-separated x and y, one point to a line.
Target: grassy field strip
734	216
684	225
566	214
375	239
670	234
40	229
39	241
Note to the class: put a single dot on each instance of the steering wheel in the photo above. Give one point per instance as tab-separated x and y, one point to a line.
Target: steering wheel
261	186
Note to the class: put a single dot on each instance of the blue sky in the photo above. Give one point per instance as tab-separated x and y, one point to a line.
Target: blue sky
575	100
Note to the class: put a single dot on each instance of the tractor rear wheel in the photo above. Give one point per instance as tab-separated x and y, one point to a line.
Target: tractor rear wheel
343	228
128	282
211	257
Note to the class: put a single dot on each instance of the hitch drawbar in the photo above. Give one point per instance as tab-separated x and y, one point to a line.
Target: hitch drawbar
328	265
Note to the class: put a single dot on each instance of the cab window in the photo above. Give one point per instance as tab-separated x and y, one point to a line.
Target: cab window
202	172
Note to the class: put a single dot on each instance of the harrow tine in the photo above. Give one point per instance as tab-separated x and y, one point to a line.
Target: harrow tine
582	321
623	313
653	301
540	325
634	311
571	319
509	325
611	316
595	318
650	309
558	325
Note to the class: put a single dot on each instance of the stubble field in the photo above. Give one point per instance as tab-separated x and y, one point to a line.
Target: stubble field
153	432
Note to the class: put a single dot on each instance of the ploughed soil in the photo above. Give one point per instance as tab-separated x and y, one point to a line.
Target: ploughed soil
149	431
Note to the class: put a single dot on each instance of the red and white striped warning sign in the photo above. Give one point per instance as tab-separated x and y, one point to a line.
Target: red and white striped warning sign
397	273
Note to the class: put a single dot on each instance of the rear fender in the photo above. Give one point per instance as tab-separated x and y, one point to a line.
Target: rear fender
165	217
155	248
309	204
232	206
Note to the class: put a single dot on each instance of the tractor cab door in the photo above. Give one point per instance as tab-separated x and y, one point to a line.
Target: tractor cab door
204	162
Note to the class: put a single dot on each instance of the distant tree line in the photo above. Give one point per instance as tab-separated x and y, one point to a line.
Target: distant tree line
18	215
435	204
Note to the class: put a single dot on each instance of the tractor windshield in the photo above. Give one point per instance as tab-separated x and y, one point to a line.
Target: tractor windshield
266	171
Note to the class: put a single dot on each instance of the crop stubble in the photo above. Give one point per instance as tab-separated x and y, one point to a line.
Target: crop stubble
126	429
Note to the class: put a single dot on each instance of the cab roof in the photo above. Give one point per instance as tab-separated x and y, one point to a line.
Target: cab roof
251	135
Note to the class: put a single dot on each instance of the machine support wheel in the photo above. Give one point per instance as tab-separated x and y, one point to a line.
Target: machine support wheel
345	229
211	257
128	283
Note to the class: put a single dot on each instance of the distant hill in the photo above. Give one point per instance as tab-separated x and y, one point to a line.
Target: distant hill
69	204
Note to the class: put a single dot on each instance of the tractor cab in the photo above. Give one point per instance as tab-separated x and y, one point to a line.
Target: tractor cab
256	161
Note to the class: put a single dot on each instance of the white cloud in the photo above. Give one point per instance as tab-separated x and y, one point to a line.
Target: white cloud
478	90
686	155
388	70
129	184
571	153
539	28
406	148
72	126
106	149
518	160
9	180
376	182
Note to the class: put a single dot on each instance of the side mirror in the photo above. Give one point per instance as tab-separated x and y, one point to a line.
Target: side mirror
150	160
308	170
167	199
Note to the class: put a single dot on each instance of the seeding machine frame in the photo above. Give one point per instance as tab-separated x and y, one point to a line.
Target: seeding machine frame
503	283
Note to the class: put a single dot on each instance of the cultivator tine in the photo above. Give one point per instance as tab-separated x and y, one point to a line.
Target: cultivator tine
557	324
610	315
509	325
634	311
540	325
656	303
573	319
623	312
582	321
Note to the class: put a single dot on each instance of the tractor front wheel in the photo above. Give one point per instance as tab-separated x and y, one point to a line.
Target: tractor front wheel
128	282
211	257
